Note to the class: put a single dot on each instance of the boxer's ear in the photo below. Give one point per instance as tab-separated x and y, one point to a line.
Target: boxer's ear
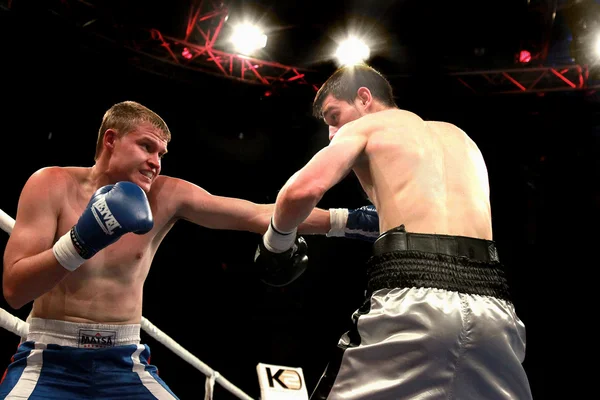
363	96
110	136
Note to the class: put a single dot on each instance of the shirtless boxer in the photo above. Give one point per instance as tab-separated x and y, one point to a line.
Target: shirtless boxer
82	246
438	321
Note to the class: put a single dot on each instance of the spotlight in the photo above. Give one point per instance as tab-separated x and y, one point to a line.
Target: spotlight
352	51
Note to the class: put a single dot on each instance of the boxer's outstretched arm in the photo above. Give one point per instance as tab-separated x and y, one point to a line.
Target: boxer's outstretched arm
198	206
218	212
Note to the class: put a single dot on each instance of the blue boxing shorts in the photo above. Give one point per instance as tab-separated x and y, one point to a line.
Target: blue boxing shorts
65	360
437	323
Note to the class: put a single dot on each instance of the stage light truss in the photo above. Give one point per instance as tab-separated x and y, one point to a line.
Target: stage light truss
196	49
199	48
204	57
526	80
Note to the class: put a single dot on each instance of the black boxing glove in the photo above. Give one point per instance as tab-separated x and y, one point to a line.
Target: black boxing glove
275	266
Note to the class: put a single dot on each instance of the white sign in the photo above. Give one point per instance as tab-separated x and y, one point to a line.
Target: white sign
279	382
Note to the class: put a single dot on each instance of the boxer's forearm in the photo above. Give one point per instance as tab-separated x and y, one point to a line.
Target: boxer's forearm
317	223
290	212
31	277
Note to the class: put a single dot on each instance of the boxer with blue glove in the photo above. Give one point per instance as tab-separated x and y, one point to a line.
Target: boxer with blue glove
113	211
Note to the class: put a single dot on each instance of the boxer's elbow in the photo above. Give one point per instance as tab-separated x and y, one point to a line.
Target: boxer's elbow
303	193
13	293
14	303
13	297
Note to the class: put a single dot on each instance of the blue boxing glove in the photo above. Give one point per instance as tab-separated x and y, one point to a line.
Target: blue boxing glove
362	223
113	211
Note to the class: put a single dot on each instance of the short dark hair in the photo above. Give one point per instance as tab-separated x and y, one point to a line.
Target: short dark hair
344	83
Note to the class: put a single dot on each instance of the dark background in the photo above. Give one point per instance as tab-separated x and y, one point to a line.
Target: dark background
541	150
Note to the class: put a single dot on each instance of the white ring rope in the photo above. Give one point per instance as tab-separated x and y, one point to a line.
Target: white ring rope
6	222
21	328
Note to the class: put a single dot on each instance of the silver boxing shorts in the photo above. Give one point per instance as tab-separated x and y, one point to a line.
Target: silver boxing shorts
438	323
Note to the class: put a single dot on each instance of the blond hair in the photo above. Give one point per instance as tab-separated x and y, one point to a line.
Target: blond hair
124	117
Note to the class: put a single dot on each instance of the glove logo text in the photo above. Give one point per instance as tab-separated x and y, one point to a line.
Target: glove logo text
104	216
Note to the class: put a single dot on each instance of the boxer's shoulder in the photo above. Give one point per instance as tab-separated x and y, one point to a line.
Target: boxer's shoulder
167	190
58	183
72	175
166	186
56	178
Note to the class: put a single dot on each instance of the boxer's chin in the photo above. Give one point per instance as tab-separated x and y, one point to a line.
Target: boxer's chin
143	181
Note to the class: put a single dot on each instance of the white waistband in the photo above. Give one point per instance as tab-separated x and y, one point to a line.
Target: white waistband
51	331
